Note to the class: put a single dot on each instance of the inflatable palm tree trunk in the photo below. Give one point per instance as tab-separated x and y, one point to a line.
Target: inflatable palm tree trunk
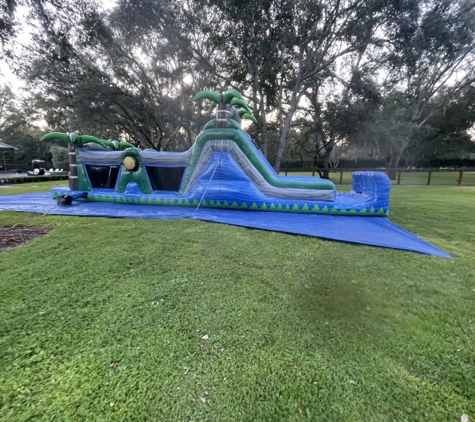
73	168
223	112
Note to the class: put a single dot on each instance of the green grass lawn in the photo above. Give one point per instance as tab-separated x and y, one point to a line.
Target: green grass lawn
116	319
31	187
413	178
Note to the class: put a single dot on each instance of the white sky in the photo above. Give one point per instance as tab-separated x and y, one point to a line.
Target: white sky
23	38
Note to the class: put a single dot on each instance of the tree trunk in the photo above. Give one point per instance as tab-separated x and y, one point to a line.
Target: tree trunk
394	164
265	141
261	114
286	127
329	146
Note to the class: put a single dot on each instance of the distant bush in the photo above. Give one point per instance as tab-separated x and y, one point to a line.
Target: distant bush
30	179
362	163
295	164
365	163
60	157
371	163
450	162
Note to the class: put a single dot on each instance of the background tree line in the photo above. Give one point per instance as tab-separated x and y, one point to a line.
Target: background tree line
390	80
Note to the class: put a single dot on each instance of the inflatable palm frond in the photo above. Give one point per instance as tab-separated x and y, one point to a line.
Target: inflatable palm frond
231	97
85	139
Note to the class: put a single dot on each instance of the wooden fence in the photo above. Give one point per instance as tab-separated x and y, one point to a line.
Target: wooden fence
398	172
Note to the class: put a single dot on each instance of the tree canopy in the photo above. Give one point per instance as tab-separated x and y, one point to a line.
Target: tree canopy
394	79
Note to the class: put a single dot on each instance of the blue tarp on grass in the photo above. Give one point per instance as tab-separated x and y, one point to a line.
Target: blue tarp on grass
374	231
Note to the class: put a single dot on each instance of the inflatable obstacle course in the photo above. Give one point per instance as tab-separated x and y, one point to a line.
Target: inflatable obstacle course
223	178
223	169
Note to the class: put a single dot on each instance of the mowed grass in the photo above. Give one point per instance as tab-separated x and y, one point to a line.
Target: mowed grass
409	178
9	189
116	319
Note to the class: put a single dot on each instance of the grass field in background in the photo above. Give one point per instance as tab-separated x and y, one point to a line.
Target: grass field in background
415	178
31	187
124	319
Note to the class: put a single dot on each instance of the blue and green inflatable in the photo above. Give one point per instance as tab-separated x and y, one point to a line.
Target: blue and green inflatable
223	169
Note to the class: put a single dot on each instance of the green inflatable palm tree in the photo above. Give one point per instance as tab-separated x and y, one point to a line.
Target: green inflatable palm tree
229	105
73	140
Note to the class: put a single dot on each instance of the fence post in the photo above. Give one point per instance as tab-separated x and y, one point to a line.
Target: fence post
459	181
429	176
341	177
286	172
313	172
399	177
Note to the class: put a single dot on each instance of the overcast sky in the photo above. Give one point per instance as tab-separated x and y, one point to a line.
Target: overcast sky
22	39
